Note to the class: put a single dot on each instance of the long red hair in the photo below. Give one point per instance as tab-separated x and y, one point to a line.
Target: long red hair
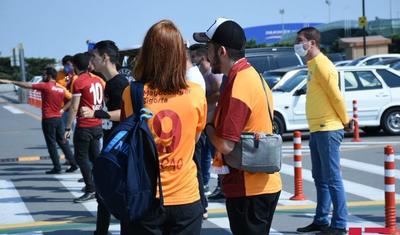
161	63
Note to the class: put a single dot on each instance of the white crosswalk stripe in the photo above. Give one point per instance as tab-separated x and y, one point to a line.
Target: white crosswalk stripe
13	209
12	109
366	167
354	188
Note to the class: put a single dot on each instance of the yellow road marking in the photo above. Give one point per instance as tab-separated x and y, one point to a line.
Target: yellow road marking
28	158
47	223
311	206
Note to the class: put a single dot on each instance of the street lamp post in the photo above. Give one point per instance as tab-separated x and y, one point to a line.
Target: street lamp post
364	31
328	2
282	12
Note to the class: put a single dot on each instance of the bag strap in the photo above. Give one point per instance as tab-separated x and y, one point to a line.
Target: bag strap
137	98
269	111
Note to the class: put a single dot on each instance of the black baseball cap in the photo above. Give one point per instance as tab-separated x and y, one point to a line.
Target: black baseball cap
225	32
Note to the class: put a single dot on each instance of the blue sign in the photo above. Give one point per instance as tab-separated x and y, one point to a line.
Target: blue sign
272	33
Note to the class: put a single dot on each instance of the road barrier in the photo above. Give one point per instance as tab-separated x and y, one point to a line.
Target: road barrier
298	176
390	198
356	137
35	98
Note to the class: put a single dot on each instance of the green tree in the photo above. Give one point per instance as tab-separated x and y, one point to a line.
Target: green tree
34	67
253	44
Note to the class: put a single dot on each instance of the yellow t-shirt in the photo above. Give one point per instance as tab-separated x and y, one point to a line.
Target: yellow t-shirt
325	106
177	118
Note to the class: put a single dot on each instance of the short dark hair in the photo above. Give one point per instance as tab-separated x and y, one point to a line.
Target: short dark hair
50	71
81	61
233	54
65	59
197	46
108	47
311	33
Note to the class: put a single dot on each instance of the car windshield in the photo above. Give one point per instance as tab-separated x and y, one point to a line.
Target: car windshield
292	82
356	61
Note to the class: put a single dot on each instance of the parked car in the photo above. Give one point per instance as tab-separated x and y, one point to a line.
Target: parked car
376	89
266	59
274	76
372	59
342	63
393	63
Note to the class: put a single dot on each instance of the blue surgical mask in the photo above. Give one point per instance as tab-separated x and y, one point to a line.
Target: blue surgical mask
68	69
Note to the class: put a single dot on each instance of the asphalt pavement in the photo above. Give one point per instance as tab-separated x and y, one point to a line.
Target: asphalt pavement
34	203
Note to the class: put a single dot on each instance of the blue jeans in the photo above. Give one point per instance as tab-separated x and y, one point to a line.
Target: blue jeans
207	152
325	158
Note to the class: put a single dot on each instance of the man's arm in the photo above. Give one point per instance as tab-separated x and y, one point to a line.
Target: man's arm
223	146
215	87
329	82
26	85
72	115
114	115
66	106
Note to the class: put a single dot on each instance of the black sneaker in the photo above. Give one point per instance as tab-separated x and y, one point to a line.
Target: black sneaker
217	194
71	169
313	228
333	231
85	197
53	172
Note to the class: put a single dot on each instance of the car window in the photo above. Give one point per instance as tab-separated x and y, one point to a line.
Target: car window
286	60
361	80
369	80
371	61
396	66
350	81
260	63
293	82
356	61
391	79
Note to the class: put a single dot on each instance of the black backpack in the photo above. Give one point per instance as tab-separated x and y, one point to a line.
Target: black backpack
127	171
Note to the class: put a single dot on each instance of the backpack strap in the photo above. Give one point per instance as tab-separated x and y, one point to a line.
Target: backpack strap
137	96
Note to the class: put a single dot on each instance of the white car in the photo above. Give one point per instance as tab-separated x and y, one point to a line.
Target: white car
372	59
376	89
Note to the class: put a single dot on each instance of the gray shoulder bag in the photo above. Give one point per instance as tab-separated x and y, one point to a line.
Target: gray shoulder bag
257	152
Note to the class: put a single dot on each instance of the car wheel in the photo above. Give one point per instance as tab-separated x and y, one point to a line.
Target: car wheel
371	129
391	121
279	125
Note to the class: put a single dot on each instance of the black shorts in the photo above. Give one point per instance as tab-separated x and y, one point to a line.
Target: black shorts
253	214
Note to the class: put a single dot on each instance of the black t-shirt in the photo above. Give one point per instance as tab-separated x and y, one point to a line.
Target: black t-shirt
113	93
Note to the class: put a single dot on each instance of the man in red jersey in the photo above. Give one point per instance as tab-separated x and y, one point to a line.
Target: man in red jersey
87	90
53	96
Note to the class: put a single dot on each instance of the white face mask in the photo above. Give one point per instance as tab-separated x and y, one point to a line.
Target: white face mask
299	49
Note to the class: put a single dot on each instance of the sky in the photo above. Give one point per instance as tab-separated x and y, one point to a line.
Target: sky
54	28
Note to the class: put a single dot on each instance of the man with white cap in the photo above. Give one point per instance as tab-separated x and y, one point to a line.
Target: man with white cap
251	198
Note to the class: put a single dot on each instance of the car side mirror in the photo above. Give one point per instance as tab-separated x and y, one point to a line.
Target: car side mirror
299	92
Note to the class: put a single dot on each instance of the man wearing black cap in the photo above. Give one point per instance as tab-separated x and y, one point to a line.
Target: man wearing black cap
251	198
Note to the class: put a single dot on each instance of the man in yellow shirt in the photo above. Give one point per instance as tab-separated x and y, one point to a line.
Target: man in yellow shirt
326	116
